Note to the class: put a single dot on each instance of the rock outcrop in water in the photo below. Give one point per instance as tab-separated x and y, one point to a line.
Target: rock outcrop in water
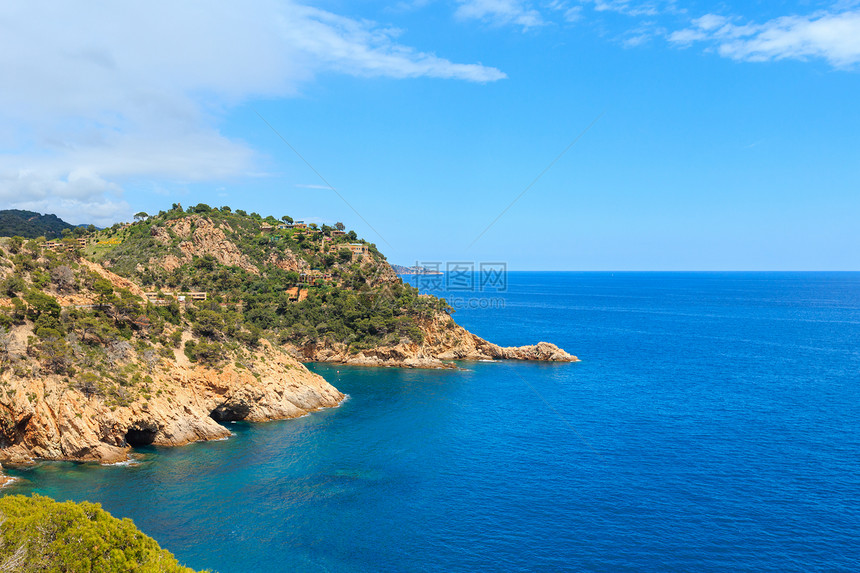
443	341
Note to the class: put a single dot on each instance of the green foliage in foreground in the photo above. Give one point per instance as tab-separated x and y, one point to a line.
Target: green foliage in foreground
40	534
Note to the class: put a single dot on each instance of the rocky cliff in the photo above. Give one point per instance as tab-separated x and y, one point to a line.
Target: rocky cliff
198	237
49	417
89	368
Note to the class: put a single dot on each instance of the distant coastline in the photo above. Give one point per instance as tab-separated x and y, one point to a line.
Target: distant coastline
414	270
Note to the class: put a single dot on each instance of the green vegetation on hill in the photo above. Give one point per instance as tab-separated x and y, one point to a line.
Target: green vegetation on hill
30	225
354	300
103	338
40	534
286	285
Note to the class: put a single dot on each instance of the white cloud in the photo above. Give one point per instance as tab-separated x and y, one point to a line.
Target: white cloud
81	197
633	8
568	13
362	49
710	22
687	37
98	94
834	37
500	12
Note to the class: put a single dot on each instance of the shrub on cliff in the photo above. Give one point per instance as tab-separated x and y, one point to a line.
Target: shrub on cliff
40	534
208	323
12	285
41	303
210	354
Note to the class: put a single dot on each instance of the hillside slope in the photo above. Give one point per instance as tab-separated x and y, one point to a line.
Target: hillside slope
89	368
324	295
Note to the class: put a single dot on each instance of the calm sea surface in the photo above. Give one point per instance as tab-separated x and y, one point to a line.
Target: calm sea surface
713	425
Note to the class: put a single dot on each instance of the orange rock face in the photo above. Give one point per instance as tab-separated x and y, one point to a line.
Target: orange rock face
444	340
46	417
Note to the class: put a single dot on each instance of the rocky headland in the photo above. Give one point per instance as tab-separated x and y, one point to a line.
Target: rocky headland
99	353
444	342
51	417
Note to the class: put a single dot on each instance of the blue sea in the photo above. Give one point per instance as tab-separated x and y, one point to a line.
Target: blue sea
712	425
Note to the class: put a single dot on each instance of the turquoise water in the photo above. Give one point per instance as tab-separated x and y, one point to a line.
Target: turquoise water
713	425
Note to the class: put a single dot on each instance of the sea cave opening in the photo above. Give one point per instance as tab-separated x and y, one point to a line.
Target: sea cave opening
140	436
230	412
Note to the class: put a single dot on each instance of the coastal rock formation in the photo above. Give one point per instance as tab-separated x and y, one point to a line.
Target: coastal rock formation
50	417
287	262
444	341
200	236
90	367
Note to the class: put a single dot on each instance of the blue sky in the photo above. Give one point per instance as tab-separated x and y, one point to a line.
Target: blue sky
722	136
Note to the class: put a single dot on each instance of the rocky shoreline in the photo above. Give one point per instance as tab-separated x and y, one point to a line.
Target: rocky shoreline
44	418
444	342
48	417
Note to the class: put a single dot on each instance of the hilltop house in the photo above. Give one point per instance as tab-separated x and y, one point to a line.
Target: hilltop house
60	245
358	249
314	276
157	299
